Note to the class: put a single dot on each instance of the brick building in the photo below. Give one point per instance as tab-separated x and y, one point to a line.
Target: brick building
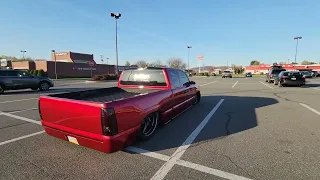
72	57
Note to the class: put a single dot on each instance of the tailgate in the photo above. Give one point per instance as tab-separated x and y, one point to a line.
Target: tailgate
64	114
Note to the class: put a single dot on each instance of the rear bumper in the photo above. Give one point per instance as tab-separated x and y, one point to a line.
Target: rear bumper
290	82
106	144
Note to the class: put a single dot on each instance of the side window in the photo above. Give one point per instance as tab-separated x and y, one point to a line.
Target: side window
183	77
174	79
12	73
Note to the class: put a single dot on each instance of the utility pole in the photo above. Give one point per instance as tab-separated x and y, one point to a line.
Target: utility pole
55	63
189	47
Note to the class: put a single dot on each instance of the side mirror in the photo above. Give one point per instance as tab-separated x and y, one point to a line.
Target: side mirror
192	82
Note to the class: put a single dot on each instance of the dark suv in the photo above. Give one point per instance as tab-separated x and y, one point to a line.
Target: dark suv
273	73
19	79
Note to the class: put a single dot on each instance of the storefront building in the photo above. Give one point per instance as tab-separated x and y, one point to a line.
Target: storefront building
264	68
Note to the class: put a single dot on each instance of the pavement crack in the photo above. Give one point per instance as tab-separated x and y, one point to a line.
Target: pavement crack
286	99
240	168
229	114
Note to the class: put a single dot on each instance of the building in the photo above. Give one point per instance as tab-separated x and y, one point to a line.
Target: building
264	68
72	57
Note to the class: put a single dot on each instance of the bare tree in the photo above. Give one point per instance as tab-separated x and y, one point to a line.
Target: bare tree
176	63
157	63
141	63
127	63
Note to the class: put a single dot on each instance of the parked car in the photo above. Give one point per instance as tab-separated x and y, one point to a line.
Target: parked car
290	78
19	79
248	74
108	119
306	74
273	73
226	74
315	73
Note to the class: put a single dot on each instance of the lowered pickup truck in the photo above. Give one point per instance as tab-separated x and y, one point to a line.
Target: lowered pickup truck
109	119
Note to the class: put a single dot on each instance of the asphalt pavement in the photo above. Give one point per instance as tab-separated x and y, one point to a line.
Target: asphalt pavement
243	128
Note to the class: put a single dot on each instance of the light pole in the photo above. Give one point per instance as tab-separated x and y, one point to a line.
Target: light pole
107	60
116	16
55	63
101	59
189	47
295	57
23	51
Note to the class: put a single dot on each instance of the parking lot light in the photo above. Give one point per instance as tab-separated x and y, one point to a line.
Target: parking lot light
116	17
296	38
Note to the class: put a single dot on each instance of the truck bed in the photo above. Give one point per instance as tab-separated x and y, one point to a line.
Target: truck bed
104	94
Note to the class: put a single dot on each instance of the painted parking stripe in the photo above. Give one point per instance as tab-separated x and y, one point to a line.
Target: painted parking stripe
164	170
18	100
235	84
21	137
21	118
267	85
310	108
208	83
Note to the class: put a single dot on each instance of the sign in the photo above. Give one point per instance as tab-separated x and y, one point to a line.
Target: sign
84	69
200	58
91	63
61	54
4	62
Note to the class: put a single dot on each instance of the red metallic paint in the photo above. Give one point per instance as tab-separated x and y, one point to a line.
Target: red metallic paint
82	119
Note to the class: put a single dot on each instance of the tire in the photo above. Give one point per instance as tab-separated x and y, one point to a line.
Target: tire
2	88
34	89
275	82
280	85
198	98
147	130
44	86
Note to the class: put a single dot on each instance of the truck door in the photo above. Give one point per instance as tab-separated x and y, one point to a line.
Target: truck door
189	91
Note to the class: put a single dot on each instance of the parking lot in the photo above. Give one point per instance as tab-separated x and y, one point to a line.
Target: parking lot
243	128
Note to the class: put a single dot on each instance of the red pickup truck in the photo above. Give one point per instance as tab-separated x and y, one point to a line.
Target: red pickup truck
109	119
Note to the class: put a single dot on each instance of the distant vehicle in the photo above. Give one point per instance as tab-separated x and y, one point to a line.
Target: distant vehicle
306	74
315	73
248	74
290	78
226	74
273	73
108	119
19	79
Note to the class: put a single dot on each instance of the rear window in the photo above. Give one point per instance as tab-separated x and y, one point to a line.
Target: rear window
143	78
294	73
277	71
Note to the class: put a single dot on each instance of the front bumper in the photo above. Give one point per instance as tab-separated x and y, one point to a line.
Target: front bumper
106	144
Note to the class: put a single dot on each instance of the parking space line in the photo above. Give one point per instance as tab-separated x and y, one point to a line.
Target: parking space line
12	112
17	100
208	83
21	118
164	170
235	84
187	164
267	85
21	137
310	108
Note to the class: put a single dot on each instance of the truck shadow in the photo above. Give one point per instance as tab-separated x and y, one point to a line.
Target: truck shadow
236	114
50	91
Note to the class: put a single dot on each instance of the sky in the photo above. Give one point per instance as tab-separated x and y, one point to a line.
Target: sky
222	31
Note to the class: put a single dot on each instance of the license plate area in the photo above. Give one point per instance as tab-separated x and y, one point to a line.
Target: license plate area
73	140
293	78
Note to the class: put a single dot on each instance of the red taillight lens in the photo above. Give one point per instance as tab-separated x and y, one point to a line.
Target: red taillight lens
270	75
109	122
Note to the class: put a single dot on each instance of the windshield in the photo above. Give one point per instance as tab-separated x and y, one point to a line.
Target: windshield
306	73
143	78
277	71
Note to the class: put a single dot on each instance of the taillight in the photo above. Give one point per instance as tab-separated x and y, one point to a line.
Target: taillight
271	75
282	77
109	122
39	109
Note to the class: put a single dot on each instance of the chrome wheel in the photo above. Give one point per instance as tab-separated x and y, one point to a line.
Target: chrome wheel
149	125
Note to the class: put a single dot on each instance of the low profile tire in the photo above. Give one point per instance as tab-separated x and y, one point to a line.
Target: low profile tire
34	89
148	126
44	86
198	98
2	89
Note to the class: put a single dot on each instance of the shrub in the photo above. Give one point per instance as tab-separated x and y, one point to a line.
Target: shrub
201	74
41	72
206	74
36	72
97	77
261	73
31	71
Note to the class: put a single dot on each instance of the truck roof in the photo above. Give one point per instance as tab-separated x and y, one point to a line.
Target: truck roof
150	68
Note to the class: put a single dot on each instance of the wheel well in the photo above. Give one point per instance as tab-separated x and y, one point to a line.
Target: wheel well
43	81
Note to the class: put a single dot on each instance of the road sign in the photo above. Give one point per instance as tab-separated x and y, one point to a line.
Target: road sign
91	63
4	62
200	58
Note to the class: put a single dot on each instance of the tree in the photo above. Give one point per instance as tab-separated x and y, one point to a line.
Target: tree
294	63
254	62
307	62
142	63
127	63
176	63
157	63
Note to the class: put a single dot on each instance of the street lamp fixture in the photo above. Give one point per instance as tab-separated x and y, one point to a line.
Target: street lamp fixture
116	16
296	38
23	51
55	63
189	47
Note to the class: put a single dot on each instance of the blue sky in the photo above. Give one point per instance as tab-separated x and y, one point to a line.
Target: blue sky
220	30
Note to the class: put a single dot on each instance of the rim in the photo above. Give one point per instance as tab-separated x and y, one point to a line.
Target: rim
149	125
44	86
1	89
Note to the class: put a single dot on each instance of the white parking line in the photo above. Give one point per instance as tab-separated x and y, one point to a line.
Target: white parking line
21	118
164	170
235	84
187	164
310	108
21	137
267	85
208	83
18	100
22	110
